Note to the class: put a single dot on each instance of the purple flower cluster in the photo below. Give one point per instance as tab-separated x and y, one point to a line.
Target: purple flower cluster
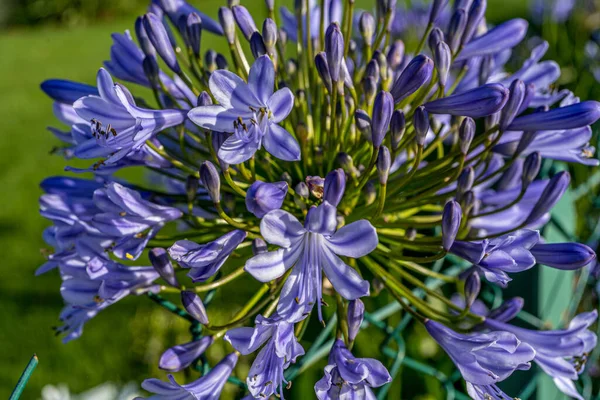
328	164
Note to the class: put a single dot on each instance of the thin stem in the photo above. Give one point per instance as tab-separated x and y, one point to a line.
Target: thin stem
18	390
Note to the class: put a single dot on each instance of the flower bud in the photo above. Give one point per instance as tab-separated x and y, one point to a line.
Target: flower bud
451	218
346	162
525	141
286	177
209	176
395	54
383	107
269	34
384	163
366	26
323	70
527	98
270	5
221	61
421	124
160	40
369	88
456	29
334	50
397	128
194	306
182	356
552	193
228	23
531	167
491	120
435	37
415	75
511	177
263	197
334	187
485	69
465	180
143	39
257	46
570	117
161	263
436	9
370	193
244	21
472	288
466	133
507	310
476	14
510	109
363	122
565	256
442	59
210	60
193	31
474	103
301	193
372	70
356	312
152	70
259	246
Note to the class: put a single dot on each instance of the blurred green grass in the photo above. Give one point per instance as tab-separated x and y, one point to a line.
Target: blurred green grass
122	343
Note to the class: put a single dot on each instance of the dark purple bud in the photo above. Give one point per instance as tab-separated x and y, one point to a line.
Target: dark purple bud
160	40
511	108
474	103
421	124
363	122
143	38
345	73
209	176
383	107
334	50
161	263
346	162
244	21
435	37
525	141
323	70
456	29
205	100
270	4
257	46
151	69
415	75
227	23
369	88
384	163
397	128
370	193
466	133
334	187
356	312
451	218
372	70
502	37
194	32
565	256
259	246
210	60
552	193
302	190
465	180
531	168
511	177
491	120
486	68
395	54
472	288
269	34
570	117
529	95
221	61
263	197
507	310
442	58
182	356
65	91
366	25
468	201
476	14
437	6
194	306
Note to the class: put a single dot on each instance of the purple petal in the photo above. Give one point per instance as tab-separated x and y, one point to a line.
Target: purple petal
261	79
270	265
217	117
354	240
281	228
281	144
321	219
345	280
235	151
231	91
280	104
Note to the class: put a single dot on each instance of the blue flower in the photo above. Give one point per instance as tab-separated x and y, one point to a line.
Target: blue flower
281	349
483	358
263	197
348	377
251	111
205	259
208	387
310	250
182	356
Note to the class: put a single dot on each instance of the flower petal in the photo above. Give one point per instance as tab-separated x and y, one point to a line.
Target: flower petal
216	117
281	228
261	79
280	104
236	151
281	144
231	91
345	280
354	240
270	265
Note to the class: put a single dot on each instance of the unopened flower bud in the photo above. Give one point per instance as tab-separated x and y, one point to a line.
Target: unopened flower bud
384	163
257	46
366	25
472	288
334	187
474	17
155	29
301	193
286	177
209	176
395	54
370	193
244	21
421	124
435	37
221	61
383	107
513	104
465	180
356	312
204	100
143	39
456	29
263	197
442	58
437	6
323	70
466	133
552	193
531	167
334	49
372	70
526	139
194	306
397	128
345	161
369	88
161	263
416	73
507	310
511	177
269	34
210	60
227	23
363	122
259	246
410	234
451	218
194	32
151	69
182	356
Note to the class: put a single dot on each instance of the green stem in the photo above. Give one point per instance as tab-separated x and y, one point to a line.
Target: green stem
18	390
